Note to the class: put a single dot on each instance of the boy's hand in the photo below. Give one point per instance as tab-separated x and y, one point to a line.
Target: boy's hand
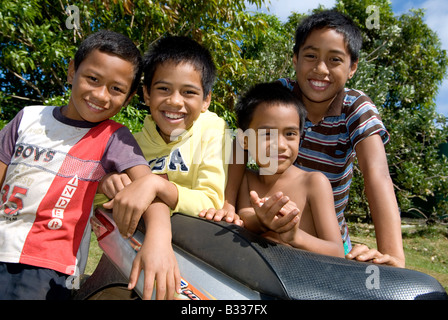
130	203
159	265
276	213
221	215
112	183
361	252
156	256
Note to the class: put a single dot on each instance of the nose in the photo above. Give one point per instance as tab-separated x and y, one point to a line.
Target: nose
282	143
321	67
101	94
175	99
278	141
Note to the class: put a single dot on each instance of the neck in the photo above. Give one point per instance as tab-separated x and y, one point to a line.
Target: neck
270	180
316	111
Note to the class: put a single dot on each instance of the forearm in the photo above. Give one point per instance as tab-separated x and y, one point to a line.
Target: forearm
251	221
157	223
385	215
302	240
381	196
3	168
166	191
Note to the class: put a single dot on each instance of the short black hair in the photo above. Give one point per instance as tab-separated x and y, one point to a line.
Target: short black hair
180	49
334	20
112	43
271	93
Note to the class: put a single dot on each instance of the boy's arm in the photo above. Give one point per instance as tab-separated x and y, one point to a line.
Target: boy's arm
156	257
3	168
235	175
321	204
228	211
383	205
261	216
129	204
208	185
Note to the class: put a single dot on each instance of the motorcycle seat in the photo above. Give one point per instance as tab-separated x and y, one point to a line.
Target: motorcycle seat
282	272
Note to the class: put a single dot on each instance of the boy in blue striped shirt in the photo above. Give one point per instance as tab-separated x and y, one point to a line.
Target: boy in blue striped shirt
341	124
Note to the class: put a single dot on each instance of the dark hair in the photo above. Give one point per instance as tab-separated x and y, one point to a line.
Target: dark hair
271	93
180	49
113	43
333	20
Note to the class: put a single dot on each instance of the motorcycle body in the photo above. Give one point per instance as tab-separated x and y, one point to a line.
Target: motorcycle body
223	261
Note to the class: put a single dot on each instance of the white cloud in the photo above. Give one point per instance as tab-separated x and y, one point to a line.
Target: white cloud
436	17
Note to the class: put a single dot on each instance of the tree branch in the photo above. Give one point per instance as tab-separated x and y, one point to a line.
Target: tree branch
28	83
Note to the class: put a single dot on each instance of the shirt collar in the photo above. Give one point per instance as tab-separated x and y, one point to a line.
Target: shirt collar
335	108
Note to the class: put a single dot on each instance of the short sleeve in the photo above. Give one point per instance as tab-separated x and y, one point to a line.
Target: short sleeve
122	152
8	138
363	119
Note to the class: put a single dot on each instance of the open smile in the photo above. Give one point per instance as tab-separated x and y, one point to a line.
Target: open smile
174	115
94	106
319	85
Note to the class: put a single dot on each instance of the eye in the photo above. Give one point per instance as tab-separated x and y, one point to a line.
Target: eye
336	60
190	92
118	89
310	56
162	89
92	78
292	134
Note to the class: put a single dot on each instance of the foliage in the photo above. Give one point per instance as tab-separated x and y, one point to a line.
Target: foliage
35	52
401	68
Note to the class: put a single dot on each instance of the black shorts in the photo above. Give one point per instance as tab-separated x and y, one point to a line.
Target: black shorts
24	282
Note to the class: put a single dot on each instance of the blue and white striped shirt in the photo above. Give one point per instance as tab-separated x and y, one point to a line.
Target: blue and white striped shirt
329	146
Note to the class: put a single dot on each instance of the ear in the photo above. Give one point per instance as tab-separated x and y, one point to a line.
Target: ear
242	139
295	59
146	95
71	71
207	102
129	98
353	69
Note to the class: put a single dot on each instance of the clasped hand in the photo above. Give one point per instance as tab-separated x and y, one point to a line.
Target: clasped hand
129	200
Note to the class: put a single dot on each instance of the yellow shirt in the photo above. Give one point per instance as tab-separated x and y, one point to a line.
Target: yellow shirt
196	163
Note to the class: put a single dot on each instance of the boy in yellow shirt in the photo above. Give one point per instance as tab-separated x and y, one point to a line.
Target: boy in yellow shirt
183	142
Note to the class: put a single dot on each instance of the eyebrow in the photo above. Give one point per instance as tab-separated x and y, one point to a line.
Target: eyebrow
311	47
185	85
270	128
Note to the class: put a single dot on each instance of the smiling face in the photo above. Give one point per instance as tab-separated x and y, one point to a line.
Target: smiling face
175	98
100	87
277	130
323	66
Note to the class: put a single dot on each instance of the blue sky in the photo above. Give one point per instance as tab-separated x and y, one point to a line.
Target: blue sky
436	16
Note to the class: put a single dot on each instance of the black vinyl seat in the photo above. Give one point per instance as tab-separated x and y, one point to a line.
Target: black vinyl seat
282	272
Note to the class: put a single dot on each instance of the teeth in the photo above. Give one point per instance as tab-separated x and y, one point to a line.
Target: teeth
94	106
174	115
318	83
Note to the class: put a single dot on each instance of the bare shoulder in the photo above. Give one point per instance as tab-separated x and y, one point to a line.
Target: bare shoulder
316	177
308	177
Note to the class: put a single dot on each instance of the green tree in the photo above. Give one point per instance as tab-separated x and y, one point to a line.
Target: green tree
401	68
36	44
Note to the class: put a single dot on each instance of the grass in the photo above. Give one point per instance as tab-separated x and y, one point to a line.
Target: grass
95	254
425	247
